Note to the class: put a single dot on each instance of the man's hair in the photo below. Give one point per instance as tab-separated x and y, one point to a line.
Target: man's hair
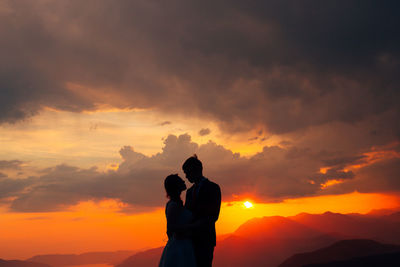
193	163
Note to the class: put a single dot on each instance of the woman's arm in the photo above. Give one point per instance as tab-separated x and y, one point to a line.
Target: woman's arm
173	212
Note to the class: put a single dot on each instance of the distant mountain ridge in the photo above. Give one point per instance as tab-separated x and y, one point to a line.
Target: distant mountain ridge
18	263
268	241
385	229
146	258
58	260
247	246
340	251
275	227
380	260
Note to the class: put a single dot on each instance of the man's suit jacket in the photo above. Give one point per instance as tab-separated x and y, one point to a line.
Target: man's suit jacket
205	206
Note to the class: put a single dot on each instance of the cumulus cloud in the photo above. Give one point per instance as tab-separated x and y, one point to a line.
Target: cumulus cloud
204	132
12	187
10	164
321	76
283	65
273	174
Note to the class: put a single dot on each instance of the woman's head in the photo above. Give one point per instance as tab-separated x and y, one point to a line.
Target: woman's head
174	185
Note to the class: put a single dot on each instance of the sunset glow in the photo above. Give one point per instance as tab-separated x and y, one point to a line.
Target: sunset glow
30	233
233	214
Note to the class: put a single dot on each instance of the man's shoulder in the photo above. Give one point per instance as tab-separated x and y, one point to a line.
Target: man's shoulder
211	184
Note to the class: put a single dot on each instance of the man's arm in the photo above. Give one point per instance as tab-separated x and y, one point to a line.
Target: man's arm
215	203
210	208
188	199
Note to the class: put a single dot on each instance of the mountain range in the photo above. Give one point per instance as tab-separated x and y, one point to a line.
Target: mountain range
269	241
18	263
343	250
59	260
380	260
276	241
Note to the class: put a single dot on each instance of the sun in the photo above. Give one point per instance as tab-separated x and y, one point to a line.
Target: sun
248	204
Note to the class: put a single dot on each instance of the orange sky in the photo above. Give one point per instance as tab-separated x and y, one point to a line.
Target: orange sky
88	139
99	226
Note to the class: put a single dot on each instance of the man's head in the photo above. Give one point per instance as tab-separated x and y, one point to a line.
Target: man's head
193	169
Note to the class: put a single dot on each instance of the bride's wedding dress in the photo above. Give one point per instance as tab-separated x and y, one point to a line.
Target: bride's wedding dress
179	249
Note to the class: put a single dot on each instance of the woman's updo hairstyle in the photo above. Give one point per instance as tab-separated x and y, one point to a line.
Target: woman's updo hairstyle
174	185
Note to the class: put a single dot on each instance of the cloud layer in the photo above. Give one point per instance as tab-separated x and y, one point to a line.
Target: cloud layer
274	174
322	76
281	65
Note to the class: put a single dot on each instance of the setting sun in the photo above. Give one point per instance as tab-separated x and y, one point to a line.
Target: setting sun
248	204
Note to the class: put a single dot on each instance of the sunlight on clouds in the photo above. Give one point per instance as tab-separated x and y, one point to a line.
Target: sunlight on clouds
323	170
94	138
86	139
98	95
377	154
330	183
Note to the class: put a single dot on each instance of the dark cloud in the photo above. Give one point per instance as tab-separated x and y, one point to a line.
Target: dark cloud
204	132
323	75
274	174
343	161
165	123
284	65
381	176
332	174
11	164
13	187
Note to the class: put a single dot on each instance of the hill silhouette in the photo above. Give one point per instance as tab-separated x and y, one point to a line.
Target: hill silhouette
56	260
394	217
146	258
280	236
247	246
268	241
385	229
18	263
381	260
275	227
341	250
240	251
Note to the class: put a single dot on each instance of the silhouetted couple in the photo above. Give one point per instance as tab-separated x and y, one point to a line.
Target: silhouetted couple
191	226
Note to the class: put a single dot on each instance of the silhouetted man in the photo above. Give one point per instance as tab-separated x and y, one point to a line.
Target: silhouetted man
203	199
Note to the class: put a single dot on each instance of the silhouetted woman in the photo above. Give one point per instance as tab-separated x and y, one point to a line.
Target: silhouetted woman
179	249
